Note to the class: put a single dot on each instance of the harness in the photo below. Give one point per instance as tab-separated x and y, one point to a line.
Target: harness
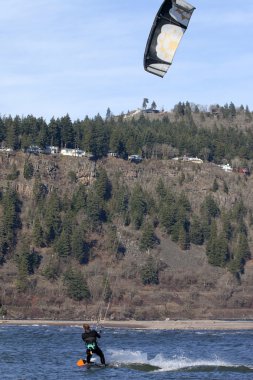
91	346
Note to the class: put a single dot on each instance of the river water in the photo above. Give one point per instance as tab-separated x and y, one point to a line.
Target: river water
50	353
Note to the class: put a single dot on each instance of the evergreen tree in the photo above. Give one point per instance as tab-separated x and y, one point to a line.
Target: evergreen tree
37	233
222	253
113	241
108	114
103	185
107	291
120	199
79	198
183	238
196	232
40	192
27	261
167	217
145	103
12	132
52	270
232	109
117	143
76	285
138	206
149	272
209	208
52	219
217	247
227	226
95	209
153	105
10	219
99	139
2	130
160	189
225	187
78	247
243	251
28	170
212	244
63	244
215	186
67	132
54	133
148	239
240	256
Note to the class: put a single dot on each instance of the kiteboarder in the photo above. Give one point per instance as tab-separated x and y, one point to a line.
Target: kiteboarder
90	338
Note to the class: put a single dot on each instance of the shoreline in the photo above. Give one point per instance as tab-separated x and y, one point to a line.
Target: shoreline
148	325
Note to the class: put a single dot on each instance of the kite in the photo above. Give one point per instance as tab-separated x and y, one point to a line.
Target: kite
167	30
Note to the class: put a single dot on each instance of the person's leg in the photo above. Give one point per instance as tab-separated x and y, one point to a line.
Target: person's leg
99	352
89	355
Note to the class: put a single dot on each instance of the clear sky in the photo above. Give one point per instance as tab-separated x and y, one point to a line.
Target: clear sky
83	56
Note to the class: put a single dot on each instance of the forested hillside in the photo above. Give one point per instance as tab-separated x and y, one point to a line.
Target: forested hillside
110	238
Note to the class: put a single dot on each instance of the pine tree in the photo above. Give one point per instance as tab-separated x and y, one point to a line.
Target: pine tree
160	188
99	140
240	256
78	248
54	132
227	226
212	243
52	270
167	216
79	198
63	244
40	192
103	185
76	284
95	209
113	241
209	208
12	132
37	233
138	206
148	239
67	132
28	170
149	272
10	218
52	219
217	247
183	238
196	232
120	199
107	291
215	186
225	187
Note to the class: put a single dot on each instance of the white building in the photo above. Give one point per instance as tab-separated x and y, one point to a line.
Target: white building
135	158
226	167
72	152
51	149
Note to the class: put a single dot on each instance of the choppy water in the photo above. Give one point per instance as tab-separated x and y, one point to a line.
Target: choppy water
49	352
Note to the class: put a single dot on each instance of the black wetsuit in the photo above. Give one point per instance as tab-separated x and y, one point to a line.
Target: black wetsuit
90	339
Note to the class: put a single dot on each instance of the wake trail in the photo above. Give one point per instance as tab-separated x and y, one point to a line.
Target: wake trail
139	360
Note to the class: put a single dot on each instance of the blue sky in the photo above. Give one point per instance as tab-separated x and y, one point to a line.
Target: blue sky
83	56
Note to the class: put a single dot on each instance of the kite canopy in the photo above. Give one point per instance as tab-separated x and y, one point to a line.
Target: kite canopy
167	30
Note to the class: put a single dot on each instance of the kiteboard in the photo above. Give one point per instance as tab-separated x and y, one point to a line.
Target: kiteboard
83	363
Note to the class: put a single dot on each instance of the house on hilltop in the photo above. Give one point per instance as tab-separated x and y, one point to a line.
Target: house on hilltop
72	152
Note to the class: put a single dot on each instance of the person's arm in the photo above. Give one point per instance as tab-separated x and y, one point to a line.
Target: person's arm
98	335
